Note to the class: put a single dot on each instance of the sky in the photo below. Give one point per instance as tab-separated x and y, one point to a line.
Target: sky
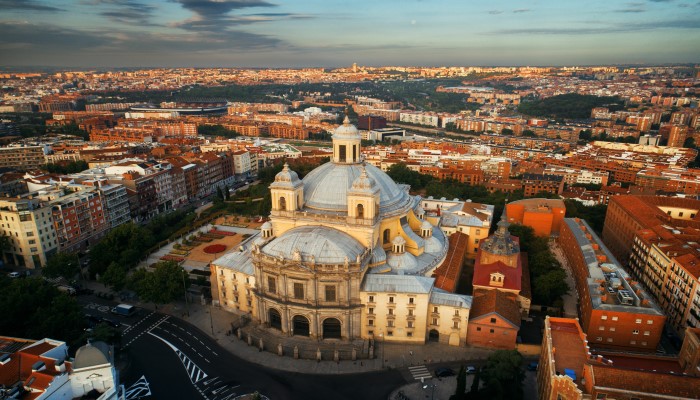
334	33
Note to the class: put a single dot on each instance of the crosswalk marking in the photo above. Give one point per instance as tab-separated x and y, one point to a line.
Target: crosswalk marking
139	389
420	371
193	371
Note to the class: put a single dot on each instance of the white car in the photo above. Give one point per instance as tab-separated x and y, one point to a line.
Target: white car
13	275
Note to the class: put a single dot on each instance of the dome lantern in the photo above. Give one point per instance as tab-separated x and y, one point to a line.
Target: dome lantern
346	143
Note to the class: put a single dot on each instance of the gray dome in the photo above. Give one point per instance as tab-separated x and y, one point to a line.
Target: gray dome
92	354
403	261
266	225
363	183
433	245
346	131
327	186
326	245
286	178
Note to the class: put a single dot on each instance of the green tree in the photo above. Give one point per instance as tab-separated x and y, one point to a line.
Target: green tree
502	375
114	276
162	285
475	383
33	308
104	333
66	265
550	286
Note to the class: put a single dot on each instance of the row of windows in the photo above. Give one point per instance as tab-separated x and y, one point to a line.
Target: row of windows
634	331
610	340
298	288
636	321
411	300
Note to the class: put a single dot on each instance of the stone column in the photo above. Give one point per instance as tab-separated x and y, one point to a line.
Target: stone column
280	352
296	352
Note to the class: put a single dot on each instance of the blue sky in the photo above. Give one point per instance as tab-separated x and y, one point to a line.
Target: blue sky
331	33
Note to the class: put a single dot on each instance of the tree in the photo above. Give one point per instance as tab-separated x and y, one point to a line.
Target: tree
66	265
162	285
550	286
461	384
104	333
475	383
114	276
502	375
529	133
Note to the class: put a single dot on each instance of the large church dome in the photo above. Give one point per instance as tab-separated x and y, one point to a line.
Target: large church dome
323	245
326	187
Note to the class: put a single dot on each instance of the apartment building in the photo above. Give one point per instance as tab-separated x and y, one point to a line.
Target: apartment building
616	312
22	157
569	369
627	215
670	180
666	261
28	223
539	183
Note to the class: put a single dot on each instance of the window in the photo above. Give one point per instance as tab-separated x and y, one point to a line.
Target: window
602	396
680	214
391	311
370	322
476	241
391	299
609	340
435	310
644	343
409	334
360	211
491	331
298	290
493	320
386	236
330	292
638	321
370	310
410	324
370	332
635	332
271	284
599	338
410	300
455	325
435	321
614	318
647	333
603	317
633	342
649	322
34	242
601	328
390	333
478	329
612	329
371	299
456	313
390	323
234	277
410	313
477	232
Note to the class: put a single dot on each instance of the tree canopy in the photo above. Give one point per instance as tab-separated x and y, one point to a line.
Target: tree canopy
570	106
162	285
66	265
503	376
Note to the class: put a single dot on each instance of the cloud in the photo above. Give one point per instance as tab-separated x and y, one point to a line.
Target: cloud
643	26
521	10
495	12
218	8
26	5
630	10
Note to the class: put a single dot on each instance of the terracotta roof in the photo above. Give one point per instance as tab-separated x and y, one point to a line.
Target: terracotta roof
492	301
512	276
646	382
447	275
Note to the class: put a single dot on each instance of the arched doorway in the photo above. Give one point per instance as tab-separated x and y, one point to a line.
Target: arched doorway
331	328
360	211
386	236
433	336
300	325
275	319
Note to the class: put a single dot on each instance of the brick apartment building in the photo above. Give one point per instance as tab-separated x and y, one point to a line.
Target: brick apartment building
627	215
22	157
569	369
539	183
616	312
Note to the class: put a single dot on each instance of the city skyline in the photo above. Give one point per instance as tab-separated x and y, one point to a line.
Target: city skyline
261	33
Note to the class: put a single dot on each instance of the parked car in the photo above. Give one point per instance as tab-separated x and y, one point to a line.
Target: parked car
533	366
443	372
14	275
124	310
111	322
471	369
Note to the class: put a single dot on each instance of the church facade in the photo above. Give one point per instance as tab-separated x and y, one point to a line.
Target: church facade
347	254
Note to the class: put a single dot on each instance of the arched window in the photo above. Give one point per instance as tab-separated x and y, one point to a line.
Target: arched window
360	211
283	203
387	236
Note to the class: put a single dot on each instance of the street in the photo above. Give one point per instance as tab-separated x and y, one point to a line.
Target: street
177	360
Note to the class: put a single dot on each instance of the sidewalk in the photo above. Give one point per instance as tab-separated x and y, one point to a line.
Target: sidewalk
394	355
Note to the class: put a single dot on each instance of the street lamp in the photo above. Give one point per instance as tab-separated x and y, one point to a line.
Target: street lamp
432	390
381	337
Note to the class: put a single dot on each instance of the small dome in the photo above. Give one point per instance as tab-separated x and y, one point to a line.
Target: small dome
346	131
92	354
398	241
403	261
426	225
267	225
432	245
378	255
286	178
363	182
419	211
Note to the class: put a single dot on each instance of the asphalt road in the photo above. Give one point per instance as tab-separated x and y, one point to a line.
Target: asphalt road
180	362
